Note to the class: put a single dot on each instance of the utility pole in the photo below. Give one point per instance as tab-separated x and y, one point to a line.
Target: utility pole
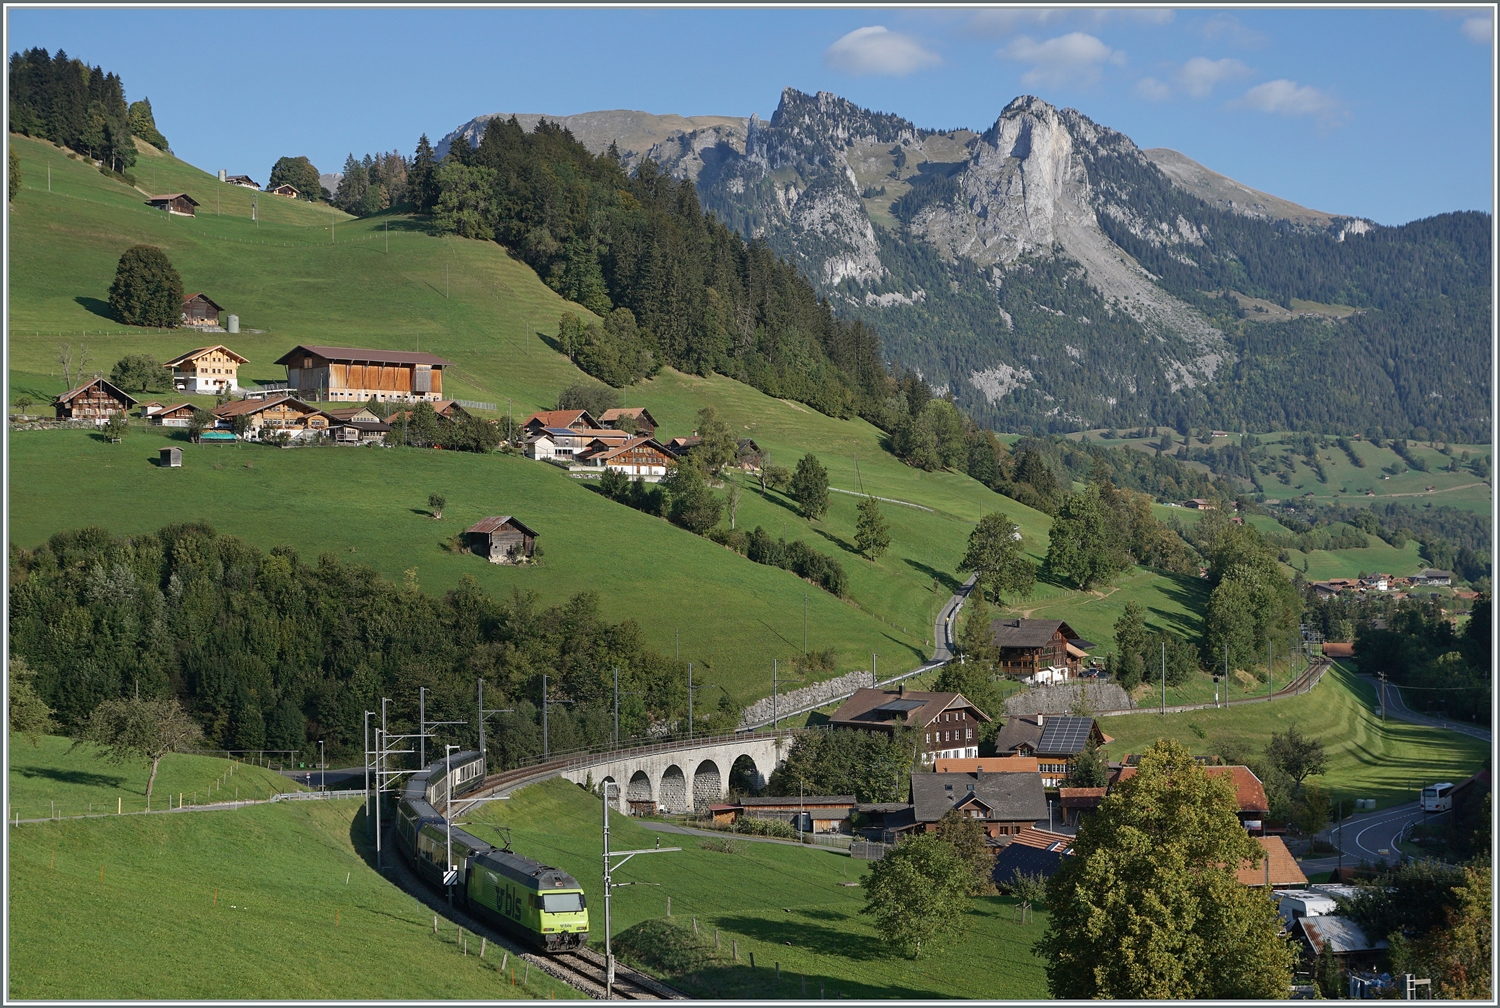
1382	698
387	237
1164	679
369	823
1226	676
1270	673
690	701
677	642
482	715
546	750
804	624
332	222
874	676
422	730
450	870
609	886
775	672
617	706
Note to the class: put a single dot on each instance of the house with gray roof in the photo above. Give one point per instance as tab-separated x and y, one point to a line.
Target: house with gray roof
1028	646
1004	804
947	722
1054	739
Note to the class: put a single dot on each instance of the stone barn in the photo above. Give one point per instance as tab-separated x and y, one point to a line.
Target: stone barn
503	539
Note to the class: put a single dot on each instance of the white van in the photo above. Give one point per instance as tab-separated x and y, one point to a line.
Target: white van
1437	798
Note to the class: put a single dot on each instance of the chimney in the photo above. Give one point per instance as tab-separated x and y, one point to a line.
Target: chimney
901	689
1041	719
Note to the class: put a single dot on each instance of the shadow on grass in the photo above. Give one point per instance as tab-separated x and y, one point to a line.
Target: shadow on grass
842	544
808	936
742	982
97	307
948	581
83	777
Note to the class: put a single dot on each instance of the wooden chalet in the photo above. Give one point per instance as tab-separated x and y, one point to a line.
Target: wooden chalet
200	310
574	420
636	419
501	539
359	432
1053	739
285	189
349	374
242	180
450	409
948	723
1004	804
274	416
172	416
748	454
94	400
175	203
210	370
682	445
1028	646
641	458
354	414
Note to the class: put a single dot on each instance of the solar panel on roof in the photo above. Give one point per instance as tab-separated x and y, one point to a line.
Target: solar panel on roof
1065	735
902	705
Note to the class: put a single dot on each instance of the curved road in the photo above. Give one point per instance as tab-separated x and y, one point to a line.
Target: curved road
1396	708
1369	837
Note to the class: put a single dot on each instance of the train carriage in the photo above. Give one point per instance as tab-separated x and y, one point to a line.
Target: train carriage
536	902
431	860
463	773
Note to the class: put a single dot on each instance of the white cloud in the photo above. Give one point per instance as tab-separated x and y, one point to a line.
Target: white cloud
1003	22
1227	28
1200	75
1074	58
1288	98
876	50
1481	28
1152	89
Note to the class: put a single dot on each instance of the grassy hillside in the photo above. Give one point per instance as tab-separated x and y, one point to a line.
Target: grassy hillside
265	902
54	778
1368	757
786	904
1383	475
492	323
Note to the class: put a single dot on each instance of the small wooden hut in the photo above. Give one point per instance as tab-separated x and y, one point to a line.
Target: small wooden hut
177	203
502	539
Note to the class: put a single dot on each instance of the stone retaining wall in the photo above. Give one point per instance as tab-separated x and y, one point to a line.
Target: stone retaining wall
815	695
1062	697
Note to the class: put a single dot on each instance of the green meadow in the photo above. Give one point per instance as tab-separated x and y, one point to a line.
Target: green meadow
265	902
782	903
55	778
1368	757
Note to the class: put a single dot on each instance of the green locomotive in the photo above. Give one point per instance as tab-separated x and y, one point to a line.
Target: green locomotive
541	904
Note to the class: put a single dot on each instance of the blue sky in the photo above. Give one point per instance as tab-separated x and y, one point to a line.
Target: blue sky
1385	114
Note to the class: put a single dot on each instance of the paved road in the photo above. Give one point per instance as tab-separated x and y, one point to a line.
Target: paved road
1365	836
338	778
943	626
1396	708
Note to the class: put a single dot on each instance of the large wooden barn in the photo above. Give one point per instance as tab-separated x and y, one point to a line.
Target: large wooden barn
177	203
502	539
94	400
200	310
350	374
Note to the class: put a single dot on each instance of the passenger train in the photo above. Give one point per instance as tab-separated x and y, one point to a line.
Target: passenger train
542	905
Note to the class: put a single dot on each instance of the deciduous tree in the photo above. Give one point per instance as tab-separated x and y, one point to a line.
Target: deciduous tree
1299	756
1083	546
135	730
138	372
30	717
300	173
437	502
692	504
994	556
917	892
872	534
147	290
1149	906
810	486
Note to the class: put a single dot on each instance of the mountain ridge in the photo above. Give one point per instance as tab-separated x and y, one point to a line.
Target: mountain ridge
1048	272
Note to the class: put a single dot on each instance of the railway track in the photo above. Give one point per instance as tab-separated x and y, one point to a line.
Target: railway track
584	969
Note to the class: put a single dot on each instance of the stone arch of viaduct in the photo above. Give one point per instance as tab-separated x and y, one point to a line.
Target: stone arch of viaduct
682	776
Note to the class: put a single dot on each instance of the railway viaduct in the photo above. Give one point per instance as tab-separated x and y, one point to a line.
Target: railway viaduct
684	775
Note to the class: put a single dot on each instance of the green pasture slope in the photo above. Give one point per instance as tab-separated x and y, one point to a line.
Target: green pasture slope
493	322
1368	757
266	902
784	903
54	778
